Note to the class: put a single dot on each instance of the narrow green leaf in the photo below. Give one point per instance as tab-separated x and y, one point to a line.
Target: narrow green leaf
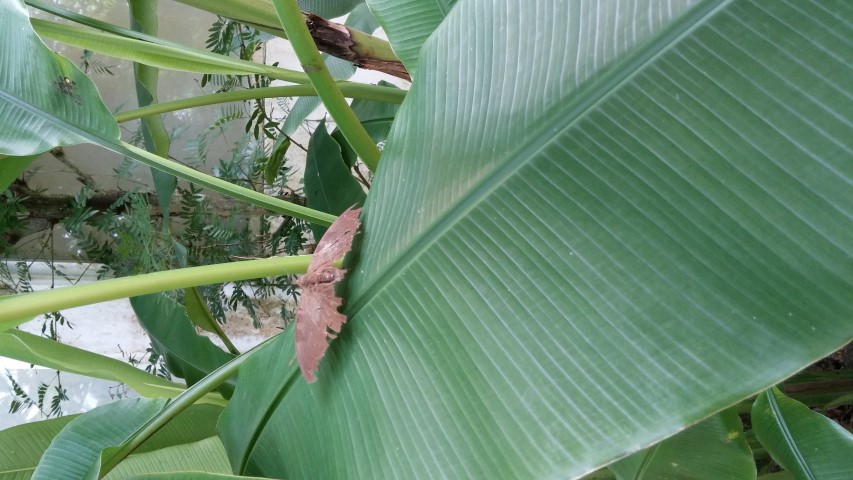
143	18
183	59
329	184
75	453
355	90
258	13
711	450
164	184
17	309
805	443
841	400
12	167
78	133
26	347
217	184
187	354
273	165
54	9
299	111
33	75
201	317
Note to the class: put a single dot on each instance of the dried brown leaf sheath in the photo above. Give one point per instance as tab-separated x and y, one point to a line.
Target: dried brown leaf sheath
318	305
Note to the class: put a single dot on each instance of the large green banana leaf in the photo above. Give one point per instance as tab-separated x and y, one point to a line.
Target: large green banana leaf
711	450
50	84
203	456
803	442
76	452
187	354
595	223
24	445
329	184
329	8
11	167
408	23
143	17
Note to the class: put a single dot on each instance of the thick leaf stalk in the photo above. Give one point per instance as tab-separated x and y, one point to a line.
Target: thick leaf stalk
143	18
359	48
159	54
17	309
348	89
340	41
303	44
178	405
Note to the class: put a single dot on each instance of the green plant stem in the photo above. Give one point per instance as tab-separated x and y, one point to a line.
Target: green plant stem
182	58
182	171
143	15
293	23
223	187
204	319
257	14
143	18
17	309
98	24
260	14
179	404
348	89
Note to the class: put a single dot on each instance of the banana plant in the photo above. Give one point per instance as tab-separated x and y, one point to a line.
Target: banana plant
596	231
